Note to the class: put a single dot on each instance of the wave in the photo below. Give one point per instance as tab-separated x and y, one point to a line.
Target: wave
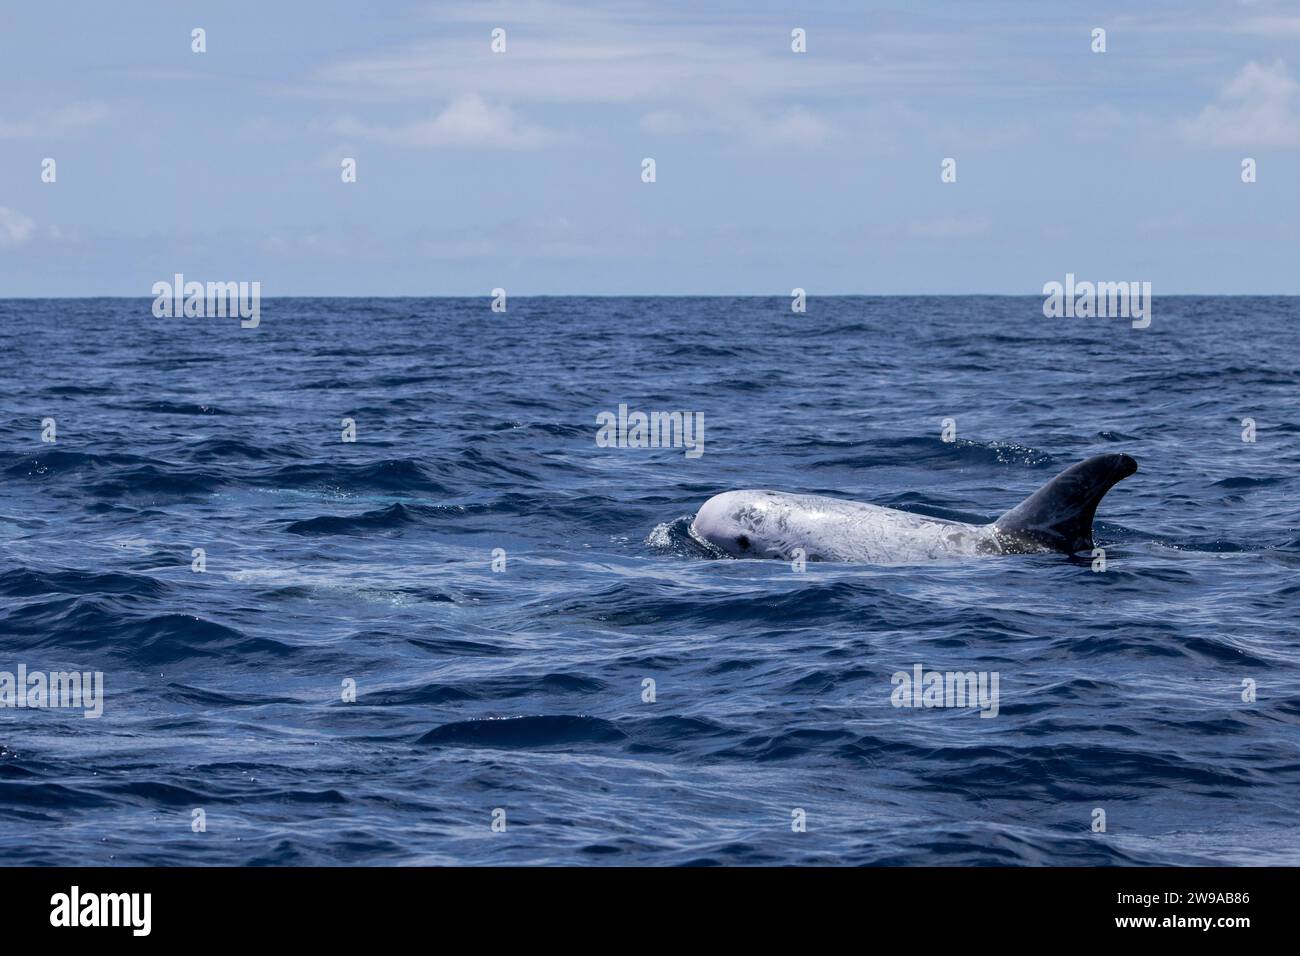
388	475
383	519
528	732
26	582
175	408
928	451
111	626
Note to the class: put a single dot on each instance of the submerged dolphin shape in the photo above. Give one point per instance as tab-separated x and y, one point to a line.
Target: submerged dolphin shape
771	524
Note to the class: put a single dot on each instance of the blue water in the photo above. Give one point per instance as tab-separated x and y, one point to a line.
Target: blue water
522	690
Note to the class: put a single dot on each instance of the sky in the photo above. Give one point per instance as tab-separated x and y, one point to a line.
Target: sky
774	169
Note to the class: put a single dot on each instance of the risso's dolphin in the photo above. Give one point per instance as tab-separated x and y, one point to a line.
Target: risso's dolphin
771	524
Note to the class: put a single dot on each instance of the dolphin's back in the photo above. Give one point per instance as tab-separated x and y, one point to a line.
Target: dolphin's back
773	524
833	529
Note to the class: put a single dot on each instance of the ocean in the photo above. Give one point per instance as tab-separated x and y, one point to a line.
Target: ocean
475	636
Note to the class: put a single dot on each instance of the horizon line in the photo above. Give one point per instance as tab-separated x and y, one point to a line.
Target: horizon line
679	295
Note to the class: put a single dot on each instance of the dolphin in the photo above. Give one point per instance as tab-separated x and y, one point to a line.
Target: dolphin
772	524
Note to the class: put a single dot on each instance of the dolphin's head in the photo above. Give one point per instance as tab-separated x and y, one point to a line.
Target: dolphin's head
739	523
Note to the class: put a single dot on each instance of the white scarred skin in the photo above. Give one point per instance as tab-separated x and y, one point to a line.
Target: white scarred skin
772	524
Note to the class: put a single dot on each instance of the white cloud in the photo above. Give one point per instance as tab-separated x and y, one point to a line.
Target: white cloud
1267	82
56	124
15	228
615	68
332	158
695	71
1270	26
467	122
1255	109
795	126
626	52
665	123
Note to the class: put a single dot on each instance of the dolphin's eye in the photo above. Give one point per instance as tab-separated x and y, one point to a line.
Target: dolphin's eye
743	543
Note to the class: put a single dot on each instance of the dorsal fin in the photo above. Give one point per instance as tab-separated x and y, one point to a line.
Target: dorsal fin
1058	516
